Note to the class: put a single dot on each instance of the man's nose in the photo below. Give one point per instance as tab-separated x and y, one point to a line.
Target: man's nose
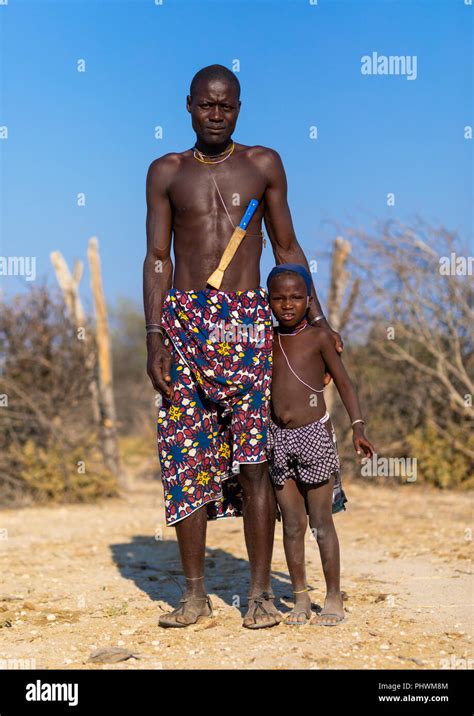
216	115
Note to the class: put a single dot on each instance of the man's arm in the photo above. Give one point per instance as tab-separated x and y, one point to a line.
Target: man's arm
281	233
157	270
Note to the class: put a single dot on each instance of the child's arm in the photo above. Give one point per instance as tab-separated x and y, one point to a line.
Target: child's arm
347	392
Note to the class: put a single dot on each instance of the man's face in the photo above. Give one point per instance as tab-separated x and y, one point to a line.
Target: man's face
288	299
214	110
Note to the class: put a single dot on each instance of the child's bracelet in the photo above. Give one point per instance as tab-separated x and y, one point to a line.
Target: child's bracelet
357	421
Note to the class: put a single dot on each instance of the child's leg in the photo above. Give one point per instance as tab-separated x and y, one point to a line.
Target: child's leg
322	525
291	501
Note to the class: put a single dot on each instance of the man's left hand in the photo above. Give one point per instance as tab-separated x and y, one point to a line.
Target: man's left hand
337	340
339	345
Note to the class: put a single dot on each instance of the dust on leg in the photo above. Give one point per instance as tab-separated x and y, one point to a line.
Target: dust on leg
195	603
291	500
259	515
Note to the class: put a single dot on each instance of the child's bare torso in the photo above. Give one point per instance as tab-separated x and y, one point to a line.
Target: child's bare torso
294	404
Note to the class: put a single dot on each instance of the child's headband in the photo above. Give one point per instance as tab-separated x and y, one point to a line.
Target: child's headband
295	268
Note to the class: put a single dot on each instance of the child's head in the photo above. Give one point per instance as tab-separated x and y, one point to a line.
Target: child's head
289	289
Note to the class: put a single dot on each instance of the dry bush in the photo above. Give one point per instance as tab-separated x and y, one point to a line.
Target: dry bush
413	348
48	442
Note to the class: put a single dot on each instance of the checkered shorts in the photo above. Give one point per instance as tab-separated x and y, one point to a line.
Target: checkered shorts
306	454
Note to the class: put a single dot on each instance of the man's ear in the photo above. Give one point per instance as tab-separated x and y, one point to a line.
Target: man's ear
188	103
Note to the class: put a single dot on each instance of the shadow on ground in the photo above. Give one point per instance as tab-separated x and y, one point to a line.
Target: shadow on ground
155	567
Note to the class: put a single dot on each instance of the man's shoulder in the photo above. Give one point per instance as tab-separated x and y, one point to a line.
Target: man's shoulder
258	151
266	160
162	170
172	160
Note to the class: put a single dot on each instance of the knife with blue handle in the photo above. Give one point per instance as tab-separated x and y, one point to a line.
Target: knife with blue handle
215	279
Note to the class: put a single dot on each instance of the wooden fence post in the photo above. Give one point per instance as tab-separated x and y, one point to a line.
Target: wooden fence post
69	285
337	316
107	402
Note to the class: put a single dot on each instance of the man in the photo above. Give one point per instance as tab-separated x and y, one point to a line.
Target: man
212	424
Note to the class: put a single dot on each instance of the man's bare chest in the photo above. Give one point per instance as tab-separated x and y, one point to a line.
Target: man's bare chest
198	190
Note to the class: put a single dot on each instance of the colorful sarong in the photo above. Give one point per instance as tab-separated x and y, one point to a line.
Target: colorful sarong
221	347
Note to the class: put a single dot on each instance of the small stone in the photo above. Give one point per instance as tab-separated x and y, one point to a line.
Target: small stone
113	655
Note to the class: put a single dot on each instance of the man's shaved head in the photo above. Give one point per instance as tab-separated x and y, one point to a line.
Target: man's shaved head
214	72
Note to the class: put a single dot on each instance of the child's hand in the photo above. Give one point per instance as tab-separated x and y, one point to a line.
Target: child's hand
361	444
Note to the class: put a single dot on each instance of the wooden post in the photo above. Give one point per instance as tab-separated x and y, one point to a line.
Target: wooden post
69	285
107	402
338	317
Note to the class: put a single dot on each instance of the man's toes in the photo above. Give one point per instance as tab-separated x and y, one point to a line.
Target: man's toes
264	619
261	620
182	619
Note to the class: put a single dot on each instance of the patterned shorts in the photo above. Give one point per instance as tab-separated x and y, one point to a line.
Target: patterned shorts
221	347
306	454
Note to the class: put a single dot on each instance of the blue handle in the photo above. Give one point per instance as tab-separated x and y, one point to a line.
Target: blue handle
248	214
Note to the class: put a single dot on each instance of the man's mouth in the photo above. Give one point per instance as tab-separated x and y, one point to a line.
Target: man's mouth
215	130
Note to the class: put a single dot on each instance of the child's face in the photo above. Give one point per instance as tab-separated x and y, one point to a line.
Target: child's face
289	299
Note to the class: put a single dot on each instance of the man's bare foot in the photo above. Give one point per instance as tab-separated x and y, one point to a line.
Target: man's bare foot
262	613
333	611
301	612
190	610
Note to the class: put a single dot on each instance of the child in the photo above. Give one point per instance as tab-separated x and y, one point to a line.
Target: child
303	460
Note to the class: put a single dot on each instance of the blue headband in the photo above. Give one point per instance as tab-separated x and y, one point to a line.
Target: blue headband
295	268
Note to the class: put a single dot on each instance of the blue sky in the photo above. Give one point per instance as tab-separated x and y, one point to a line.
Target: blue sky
300	66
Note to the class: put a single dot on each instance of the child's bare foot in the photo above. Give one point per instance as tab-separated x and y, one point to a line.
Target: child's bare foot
333	611
301	612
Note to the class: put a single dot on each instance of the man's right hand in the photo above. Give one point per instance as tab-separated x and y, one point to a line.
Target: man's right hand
159	364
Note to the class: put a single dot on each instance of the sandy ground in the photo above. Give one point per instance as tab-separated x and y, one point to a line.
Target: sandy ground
85	577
